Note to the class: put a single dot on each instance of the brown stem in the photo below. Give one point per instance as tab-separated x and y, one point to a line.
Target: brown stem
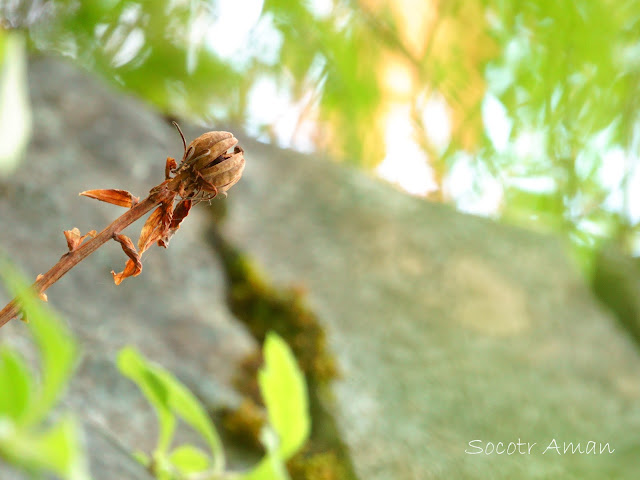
71	259
207	167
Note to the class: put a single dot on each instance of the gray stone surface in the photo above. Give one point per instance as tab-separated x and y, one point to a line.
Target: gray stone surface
447	328
88	136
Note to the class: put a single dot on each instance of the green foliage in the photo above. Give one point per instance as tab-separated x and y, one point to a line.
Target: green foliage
338	52
155	50
284	393
56	449
564	76
285	396
15	378
15	115
189	459
568	74
282	386
26	439
171	400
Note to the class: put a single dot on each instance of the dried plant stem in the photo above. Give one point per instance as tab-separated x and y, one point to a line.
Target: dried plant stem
71	259
207	168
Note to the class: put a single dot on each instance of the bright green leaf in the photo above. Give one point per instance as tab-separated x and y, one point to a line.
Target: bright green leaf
285	395
57	348
187	407
171	396
142	458
272	466
189	459
135	368
15	380
57	450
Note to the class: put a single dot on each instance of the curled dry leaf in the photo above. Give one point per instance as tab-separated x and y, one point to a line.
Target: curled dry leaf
156	227
74	240
169	167
133	267
150	232
114	196
179	214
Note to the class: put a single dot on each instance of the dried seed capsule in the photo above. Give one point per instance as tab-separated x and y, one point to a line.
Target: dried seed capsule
206	168
205	149
226	172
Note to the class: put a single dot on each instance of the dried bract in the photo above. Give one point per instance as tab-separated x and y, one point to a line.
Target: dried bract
114	196
74	239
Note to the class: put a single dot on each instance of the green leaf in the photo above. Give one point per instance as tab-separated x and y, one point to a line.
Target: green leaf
171	397
15	113
189	459
272	466
142	458
14	378
57	450
189	409
57	348
285	395
133	366
57	352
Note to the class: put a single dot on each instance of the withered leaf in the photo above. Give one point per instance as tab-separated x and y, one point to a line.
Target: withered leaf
133	266
131	269
167	215
180	213
157	226
169	166
150	230
74	239
114	196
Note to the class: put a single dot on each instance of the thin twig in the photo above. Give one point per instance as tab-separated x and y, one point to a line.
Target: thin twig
71	259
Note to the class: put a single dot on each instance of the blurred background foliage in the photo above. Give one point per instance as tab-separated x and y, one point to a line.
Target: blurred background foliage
525	110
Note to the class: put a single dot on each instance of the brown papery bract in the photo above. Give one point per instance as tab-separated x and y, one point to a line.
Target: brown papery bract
121	198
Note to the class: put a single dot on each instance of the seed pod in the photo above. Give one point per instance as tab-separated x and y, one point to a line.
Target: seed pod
205	149
225	171
207	168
